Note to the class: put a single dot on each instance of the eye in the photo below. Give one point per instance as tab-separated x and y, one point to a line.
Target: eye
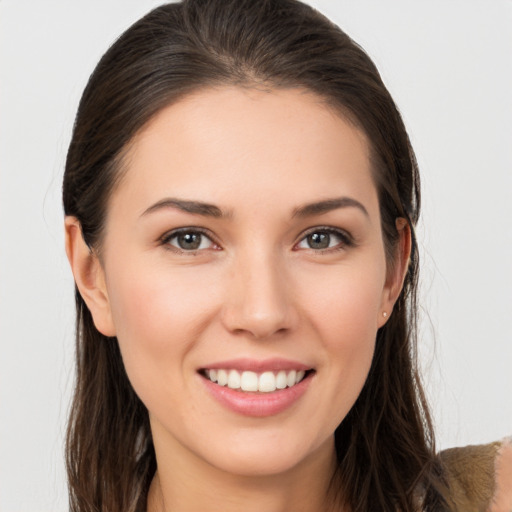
188	240
321	239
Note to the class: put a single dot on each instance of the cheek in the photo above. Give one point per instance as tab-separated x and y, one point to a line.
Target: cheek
158	321
154	307
345	305
343	312
349	332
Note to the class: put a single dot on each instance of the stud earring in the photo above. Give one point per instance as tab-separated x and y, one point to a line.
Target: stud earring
384	314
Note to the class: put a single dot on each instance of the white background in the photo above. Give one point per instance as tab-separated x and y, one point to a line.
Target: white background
448	66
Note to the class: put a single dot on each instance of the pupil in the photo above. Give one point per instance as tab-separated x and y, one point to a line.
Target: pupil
189	240
319	240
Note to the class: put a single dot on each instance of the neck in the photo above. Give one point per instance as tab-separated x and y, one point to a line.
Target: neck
191	486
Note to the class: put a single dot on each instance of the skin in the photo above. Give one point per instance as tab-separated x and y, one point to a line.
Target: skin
502	500
255	289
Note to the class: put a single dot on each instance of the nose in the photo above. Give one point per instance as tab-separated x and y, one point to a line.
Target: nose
259	298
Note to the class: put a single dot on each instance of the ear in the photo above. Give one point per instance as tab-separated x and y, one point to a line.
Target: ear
89	277
397	271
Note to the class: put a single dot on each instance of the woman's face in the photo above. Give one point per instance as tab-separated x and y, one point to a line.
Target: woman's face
244	244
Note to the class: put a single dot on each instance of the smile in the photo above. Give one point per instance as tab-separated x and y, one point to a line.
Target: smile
257	388
248	381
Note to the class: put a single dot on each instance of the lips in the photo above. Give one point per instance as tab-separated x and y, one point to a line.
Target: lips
257	388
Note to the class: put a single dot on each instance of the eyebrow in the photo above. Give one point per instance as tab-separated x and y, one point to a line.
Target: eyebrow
194	207
210	210
327	205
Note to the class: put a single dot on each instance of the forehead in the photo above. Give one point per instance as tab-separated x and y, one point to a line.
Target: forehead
239	142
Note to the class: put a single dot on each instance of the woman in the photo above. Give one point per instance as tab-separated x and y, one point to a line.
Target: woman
240	198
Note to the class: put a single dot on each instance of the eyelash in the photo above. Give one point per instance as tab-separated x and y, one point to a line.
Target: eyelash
346	240
165	240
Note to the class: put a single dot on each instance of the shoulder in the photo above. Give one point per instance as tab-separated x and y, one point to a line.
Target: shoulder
480	477
502	499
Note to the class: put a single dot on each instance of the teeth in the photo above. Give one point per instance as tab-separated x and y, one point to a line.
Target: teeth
290	378
248	381
234	379
222	377
266	382
281	380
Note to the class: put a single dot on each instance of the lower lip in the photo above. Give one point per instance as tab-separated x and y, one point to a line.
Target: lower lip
258	405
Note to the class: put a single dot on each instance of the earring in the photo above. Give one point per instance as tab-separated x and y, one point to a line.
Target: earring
384	314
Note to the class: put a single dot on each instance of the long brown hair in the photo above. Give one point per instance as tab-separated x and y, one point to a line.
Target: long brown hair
385	446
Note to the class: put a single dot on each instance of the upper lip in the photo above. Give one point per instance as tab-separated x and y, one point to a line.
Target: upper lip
258	366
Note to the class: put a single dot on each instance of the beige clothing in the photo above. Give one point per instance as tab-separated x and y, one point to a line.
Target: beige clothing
480	477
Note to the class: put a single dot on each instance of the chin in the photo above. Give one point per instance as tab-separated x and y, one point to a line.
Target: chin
268	457
259	466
